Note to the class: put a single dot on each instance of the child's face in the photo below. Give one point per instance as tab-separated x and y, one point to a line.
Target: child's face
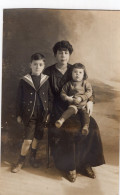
77	74
62	57
37	67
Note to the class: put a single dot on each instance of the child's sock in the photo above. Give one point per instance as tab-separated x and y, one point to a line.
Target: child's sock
33	161
21	159
85	130
59	122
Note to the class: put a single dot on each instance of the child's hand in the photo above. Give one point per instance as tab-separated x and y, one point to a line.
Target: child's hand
70	99
77	100
19	119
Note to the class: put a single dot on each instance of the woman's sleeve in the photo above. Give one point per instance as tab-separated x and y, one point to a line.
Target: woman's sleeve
64	92
92	98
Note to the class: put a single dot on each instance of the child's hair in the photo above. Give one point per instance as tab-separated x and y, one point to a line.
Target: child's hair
37	56
80	66
62	46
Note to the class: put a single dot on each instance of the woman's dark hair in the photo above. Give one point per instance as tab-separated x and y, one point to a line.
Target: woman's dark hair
80	66
61	46
37	56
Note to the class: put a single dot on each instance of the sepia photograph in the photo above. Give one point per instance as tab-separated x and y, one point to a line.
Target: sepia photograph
60	105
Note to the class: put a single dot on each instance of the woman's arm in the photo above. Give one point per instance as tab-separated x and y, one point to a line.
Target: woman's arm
89	107
64	93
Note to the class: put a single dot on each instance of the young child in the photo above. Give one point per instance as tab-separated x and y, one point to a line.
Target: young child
34	103
76	92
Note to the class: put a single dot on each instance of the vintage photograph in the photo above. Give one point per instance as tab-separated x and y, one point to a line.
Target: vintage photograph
60	102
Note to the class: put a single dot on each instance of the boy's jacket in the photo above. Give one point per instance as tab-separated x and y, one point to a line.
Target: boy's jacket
26	97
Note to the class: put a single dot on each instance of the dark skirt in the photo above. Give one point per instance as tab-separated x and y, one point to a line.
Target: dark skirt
72	150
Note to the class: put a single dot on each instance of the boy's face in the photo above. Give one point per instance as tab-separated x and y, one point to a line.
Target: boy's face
62	56
37	67
77	74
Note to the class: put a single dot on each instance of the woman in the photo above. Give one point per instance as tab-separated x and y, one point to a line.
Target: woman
72	152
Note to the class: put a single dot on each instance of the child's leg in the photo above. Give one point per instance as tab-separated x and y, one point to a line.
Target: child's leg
25	147
67	114
29	134
34	143
85	122
24	150
38	135
33	151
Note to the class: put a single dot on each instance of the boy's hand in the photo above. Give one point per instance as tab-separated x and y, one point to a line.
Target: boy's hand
47	119
77	100
19	119
70	99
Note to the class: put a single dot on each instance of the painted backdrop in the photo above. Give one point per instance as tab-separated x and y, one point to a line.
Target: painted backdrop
95	39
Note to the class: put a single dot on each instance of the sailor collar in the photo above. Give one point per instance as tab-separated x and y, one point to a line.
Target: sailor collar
27	78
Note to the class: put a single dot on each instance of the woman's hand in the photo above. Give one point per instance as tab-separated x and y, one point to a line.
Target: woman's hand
89	107
19	119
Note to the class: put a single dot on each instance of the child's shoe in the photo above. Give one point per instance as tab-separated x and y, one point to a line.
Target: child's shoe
19	165
85	130
59	122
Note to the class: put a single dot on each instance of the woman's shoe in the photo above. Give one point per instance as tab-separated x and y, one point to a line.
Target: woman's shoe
71	175
87	171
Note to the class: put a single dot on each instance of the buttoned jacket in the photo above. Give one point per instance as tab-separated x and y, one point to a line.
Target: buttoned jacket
26	97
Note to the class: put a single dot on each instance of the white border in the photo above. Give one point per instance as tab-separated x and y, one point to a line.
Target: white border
62	4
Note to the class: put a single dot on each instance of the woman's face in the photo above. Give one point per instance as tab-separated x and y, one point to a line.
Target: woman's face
62	56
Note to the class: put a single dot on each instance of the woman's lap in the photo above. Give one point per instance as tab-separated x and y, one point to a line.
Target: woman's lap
73	150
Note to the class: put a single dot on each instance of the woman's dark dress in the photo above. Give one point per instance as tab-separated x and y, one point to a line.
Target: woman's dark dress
71	150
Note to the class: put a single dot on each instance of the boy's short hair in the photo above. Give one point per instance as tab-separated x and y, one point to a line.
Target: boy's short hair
62	45
80	66
37	56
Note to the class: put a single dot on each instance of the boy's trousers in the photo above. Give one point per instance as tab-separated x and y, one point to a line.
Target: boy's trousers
34	128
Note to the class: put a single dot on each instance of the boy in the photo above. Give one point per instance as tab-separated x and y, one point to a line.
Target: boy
76	92
34	103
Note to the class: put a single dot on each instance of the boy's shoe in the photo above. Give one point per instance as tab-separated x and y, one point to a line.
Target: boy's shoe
71	175
17	167
85	130
59	122
19	164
